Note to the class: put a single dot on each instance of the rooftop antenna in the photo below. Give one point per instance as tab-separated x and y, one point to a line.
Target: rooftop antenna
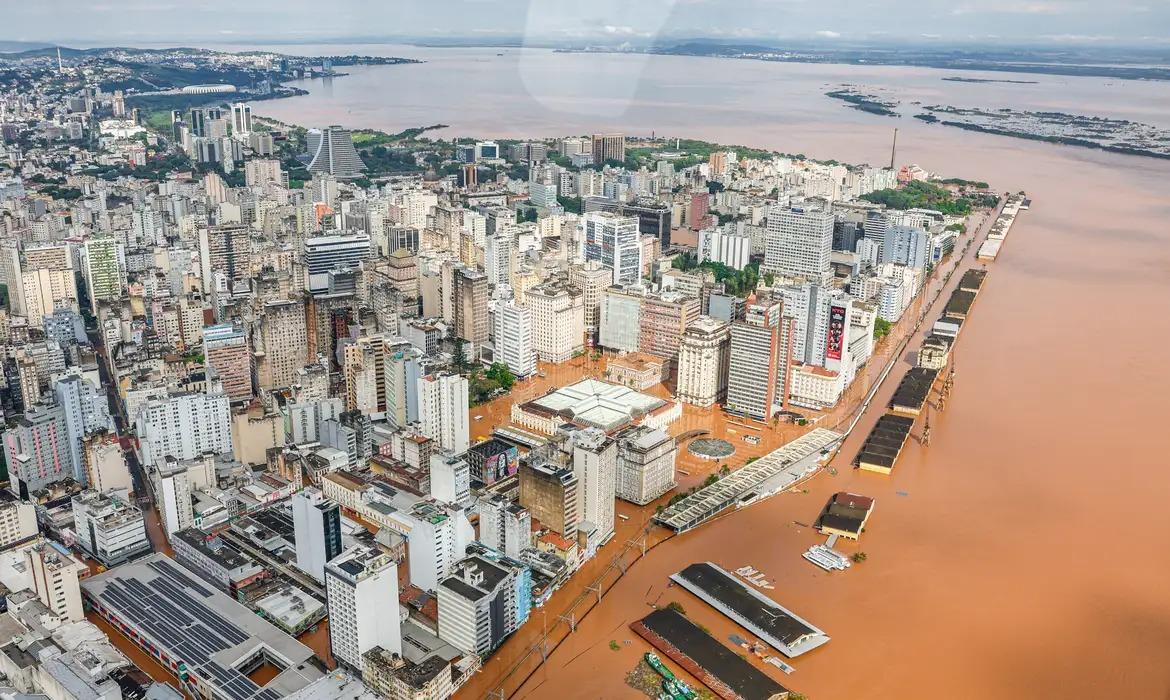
60	64
894	149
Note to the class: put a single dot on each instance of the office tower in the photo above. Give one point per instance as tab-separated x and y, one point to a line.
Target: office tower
56	578
118	104
817	359
572	145
36	450
614	241
450	479
550	493
325	254
331	151
558	320
664	318
621	320
592	279
469	297
503	525
477	606
363	368
67	327
905	245
645	464
361	591
225	249
703	362
700	205
183	426
753	359
439	536
608	147
103	270
799	242
18	522
108	528
595	463
443	410
241	119
513	338
225	349
197	122
317	529
654	217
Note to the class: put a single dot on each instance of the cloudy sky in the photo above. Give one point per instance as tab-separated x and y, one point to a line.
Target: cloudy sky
1129	22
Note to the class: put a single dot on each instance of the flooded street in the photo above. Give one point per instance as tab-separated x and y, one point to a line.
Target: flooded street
1019	563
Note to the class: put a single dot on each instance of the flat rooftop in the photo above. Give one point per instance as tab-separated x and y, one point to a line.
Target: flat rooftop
782	629
190	622
721	663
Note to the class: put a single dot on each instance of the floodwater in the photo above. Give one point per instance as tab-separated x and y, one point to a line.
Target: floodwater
1025	558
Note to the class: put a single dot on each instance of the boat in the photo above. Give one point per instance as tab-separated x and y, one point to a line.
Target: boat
656	664
671	688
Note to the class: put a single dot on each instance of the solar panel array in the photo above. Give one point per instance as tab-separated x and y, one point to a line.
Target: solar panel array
168	608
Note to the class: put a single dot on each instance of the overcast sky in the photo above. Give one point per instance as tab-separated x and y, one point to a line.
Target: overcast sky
100	22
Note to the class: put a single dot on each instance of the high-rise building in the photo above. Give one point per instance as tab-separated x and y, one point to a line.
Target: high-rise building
361	591
550	493
183	426
799	243
56	579
225	349
609	147
477	606
18	521
614	242
558	320
241	119
470	299
45	290
503	525
439	535
592	279
703	362
108	528
730	248
86	410
513	338
334	253
450	479
36	450
331	151
317	529
595	463
645	464
103	270
225	249
282	346
906	245
753	358
443	410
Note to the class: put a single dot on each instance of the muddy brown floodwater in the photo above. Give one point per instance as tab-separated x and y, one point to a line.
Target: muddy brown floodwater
1026	559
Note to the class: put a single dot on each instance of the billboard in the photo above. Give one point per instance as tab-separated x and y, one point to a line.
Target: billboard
836	333
501	466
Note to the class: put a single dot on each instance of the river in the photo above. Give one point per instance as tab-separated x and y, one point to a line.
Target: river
1023	560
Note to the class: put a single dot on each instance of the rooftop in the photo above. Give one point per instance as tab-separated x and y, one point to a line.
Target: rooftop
596	403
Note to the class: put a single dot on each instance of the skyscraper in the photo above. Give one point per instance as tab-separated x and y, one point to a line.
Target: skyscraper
595	463
103	270
361	591
241	119
225	349
331	151
614	241
754	354
443	410
799	242
513	338
317	528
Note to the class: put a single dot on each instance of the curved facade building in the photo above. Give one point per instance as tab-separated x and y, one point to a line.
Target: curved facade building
331	151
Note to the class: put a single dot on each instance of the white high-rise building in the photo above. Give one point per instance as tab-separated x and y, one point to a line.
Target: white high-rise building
595	464
615	242
317	529
558	320
503	525
499	252
906	245
645	464
103	269
437	540
56	579
443	410
18	522
799	242
183	426
729	247
450	479
361	591
513	338
241	119
331	151
108	528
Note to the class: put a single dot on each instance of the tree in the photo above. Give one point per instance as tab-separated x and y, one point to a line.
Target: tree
500	374
881	328
714	186
460	356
